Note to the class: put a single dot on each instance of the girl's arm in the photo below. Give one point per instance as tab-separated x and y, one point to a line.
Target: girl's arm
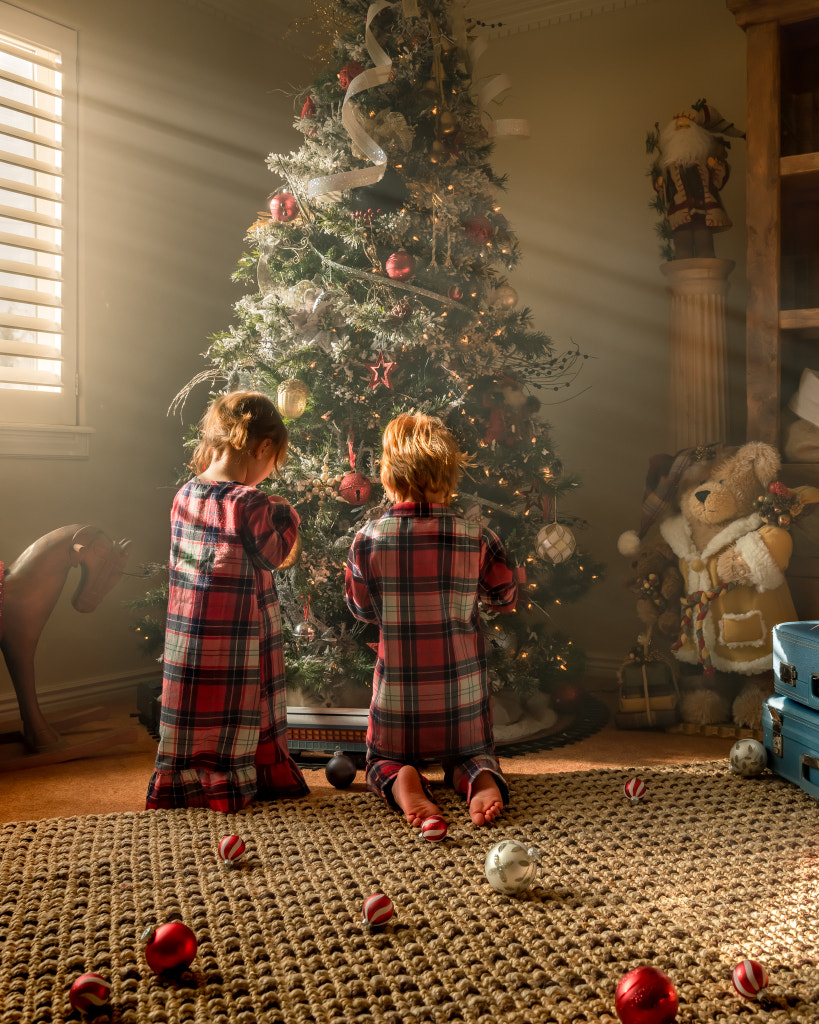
270	528
356	591
498	586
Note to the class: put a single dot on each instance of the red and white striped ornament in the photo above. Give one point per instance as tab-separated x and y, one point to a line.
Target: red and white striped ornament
89	992
433	828
749	978
231	849
635	789
378	909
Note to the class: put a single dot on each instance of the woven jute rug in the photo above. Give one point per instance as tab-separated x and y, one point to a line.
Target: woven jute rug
707	870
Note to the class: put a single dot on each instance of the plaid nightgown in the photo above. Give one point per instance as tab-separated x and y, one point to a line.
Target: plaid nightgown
418	573
223	726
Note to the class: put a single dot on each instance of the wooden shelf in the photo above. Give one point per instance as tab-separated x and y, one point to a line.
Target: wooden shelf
799	165
798	319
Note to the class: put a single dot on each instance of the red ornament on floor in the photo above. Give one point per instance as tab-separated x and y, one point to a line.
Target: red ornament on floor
749	978
378	909
635	790
231	849
646	996
89	992
400	266
170	947
567	697
433	828
283	207
355	488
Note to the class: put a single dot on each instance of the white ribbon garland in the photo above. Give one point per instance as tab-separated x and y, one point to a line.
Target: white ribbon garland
490	91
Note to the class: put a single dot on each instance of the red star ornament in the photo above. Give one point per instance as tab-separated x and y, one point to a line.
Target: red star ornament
380	372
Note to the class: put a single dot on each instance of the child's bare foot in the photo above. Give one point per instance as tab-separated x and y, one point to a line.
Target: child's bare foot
409	794
487	802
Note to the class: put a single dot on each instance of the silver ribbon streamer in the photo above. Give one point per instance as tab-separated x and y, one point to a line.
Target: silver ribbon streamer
490	91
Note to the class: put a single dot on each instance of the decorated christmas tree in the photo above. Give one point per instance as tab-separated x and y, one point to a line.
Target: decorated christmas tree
378	285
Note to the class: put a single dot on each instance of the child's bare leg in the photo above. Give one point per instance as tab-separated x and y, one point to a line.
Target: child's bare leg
486	802
409	794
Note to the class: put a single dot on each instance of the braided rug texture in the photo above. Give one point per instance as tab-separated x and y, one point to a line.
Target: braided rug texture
707	870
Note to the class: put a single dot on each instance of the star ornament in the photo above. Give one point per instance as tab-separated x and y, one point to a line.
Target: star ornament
380	372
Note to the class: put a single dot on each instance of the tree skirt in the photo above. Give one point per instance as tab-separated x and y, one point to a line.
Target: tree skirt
707	870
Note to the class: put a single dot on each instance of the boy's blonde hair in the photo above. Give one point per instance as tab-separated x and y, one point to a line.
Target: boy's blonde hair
420	457
239	420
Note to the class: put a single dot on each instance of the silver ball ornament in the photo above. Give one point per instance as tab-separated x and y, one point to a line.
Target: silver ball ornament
511	867
748	758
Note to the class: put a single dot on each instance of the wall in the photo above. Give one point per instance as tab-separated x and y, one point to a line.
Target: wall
179	107
577	197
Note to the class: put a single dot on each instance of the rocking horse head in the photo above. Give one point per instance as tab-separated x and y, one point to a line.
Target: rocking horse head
101	562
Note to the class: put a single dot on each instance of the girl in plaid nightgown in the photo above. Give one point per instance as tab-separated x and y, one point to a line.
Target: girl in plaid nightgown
419	573
223	726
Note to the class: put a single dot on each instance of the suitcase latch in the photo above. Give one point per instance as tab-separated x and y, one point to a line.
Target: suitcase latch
787	673
807	763
776	737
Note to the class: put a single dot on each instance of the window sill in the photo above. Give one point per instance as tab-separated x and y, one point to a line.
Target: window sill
41	441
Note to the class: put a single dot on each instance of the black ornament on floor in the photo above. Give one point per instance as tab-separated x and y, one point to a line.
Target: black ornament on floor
340	770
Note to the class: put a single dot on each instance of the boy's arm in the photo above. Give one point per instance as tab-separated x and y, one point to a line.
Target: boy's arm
356	591
498	586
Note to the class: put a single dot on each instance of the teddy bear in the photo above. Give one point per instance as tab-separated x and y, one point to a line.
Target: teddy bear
657	582
711	504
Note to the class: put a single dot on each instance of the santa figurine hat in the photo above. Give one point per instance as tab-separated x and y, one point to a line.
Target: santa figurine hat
708	117
662	482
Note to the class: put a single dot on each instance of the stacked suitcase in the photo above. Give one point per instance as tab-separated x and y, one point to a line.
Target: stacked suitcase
790	718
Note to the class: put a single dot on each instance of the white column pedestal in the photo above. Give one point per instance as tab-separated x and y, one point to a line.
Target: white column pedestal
698	349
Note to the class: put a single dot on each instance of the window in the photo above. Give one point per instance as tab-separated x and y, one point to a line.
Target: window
38	243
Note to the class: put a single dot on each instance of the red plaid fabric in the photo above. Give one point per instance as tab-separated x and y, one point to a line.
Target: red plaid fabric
418	573
223	726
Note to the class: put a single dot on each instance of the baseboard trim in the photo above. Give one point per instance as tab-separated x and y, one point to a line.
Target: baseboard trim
82	691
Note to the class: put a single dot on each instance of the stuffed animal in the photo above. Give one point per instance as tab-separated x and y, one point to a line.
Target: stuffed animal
657	582
731	539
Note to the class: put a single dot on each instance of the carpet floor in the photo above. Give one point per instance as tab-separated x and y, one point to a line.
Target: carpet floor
706	870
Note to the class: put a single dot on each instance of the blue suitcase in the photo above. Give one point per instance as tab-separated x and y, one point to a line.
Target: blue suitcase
790	734
796	661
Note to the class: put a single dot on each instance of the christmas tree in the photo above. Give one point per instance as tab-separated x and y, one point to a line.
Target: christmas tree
378	285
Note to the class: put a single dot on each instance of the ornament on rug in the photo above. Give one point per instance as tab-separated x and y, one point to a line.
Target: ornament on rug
89	993
748	758
340	771
434	828
283	207
646	995
556	542
377	910
635	790
400	266
170	947
380	372
291	398
511	867
749	978
230	849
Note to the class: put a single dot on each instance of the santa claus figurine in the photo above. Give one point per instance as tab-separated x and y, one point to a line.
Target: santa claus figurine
692	171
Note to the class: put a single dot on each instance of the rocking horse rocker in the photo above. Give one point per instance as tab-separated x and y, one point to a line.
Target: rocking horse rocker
29	589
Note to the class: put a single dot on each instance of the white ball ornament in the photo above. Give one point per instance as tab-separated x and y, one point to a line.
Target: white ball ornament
556	542
504	297
511	867
748	758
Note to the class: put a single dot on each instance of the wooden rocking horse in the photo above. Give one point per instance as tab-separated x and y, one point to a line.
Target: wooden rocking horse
29	589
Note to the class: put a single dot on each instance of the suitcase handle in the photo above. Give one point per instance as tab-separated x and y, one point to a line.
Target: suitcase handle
807	763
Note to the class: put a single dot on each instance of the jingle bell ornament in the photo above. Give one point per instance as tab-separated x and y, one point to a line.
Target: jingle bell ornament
340	770
555	542
511	867
433	828
283	207
230	849
748	758
646	996
377	910
749	978
89	992
355	488
291	398
635	790
400	266
170	947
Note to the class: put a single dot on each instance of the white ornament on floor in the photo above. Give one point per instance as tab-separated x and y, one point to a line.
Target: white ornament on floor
748	758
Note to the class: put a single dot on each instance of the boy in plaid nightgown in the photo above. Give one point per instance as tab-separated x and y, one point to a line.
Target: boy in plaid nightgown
419	573
223	725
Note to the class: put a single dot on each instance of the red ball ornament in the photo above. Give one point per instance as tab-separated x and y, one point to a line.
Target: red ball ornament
433	828
170	947
456	292
377	910
400	266
89	992
646	996
478	230
749	978
635	790
349	72
283	207
231	849
309	108
355	488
